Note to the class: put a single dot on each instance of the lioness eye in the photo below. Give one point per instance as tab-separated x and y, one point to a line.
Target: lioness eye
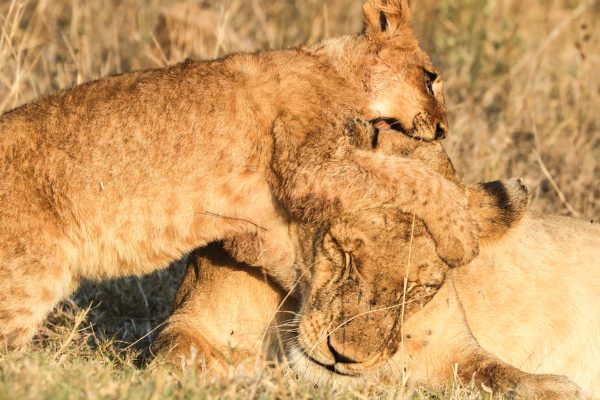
430	77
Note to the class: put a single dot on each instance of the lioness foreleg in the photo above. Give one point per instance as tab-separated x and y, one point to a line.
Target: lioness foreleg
489	373
224	316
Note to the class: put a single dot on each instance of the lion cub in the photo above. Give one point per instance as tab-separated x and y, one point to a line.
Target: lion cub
122	175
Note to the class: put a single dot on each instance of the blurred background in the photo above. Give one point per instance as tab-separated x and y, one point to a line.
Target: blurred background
522	84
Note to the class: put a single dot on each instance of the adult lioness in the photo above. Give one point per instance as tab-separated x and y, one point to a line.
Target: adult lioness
122	175
528	304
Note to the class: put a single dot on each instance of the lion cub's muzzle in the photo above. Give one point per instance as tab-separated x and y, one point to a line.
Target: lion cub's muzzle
427	128
424	127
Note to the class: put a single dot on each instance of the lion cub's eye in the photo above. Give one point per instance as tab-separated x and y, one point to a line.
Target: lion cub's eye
430	77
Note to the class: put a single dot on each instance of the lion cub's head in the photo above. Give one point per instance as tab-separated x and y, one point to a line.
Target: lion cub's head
403	88
406	90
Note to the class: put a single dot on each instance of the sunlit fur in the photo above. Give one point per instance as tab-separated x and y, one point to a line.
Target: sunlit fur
122	175
496	319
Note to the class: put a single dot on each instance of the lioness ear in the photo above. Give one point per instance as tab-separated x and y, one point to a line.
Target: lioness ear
497	206
386	18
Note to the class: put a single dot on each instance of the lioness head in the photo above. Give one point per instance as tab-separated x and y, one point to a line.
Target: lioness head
362	275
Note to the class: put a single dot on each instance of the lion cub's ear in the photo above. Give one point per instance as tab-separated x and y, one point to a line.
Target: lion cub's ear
385	19
497	206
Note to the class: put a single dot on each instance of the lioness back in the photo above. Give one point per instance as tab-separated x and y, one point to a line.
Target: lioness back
533	298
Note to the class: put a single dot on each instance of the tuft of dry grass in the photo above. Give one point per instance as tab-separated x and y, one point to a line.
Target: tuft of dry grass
522	93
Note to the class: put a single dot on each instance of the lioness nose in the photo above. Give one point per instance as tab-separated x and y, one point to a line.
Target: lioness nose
338	356
441	130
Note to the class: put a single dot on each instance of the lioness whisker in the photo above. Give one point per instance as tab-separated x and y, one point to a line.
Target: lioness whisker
400	304
324	333
278	309
289	312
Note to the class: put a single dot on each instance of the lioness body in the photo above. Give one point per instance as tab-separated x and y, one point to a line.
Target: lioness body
123	175
530	300
533	298
521	306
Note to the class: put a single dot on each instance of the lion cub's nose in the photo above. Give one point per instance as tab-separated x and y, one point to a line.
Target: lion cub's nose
337	355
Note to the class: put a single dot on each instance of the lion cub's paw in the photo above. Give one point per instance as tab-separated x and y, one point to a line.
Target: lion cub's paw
449	221
494	208
459	244
548	387
360	133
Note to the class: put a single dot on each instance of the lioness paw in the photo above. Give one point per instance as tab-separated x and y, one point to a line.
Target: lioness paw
548	387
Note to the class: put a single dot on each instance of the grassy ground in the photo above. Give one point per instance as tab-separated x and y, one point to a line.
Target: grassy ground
523	96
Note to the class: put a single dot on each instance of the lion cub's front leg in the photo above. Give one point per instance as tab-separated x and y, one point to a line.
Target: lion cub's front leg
325	176
496	206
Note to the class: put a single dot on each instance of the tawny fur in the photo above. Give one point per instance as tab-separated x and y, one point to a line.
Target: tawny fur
495	206
122	175
527	305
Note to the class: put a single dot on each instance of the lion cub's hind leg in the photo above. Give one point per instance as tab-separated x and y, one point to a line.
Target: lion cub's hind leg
31	284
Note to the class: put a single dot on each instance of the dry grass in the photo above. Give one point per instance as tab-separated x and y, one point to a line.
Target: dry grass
523	96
